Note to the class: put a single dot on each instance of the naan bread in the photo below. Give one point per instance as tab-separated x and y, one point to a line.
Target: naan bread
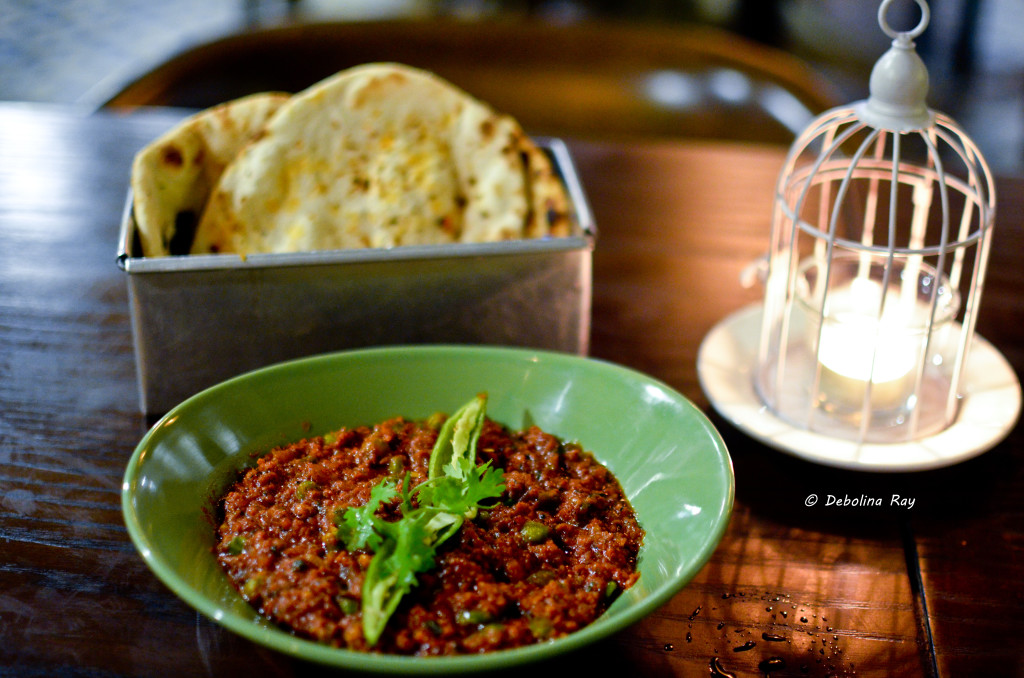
378	156
550	210
175	174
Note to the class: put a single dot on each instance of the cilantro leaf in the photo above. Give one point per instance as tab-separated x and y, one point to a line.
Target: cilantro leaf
359	527
462	491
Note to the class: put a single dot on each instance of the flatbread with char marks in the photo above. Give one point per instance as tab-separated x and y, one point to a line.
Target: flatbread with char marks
173	177
380	155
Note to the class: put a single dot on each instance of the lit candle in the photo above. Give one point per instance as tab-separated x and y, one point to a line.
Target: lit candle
858	345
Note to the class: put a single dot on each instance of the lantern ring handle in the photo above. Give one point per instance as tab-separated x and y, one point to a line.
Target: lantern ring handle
904	35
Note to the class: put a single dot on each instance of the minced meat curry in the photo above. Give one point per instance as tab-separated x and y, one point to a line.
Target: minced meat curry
541	560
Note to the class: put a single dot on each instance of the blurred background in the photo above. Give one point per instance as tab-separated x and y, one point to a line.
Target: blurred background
84	52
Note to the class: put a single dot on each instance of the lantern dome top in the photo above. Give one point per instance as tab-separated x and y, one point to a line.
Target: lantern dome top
899	80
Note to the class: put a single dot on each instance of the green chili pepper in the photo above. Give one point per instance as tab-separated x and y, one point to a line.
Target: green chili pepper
473	617
540	627
252	586
534	532
611	590
436	420
348	606
303	489
541	577
407	547
457	438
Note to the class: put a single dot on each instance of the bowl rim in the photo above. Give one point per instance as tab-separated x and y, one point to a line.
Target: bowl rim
308	650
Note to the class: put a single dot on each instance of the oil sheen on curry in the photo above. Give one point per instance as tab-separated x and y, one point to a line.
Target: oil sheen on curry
444	536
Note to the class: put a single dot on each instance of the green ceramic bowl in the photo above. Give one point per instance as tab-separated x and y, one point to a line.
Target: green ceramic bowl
670	460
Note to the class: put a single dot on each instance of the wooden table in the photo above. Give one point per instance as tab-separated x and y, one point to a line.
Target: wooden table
934	590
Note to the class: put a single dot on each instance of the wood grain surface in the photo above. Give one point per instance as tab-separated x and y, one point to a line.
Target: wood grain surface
791	591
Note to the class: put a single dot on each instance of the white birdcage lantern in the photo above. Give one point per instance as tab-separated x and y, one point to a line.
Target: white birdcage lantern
881	231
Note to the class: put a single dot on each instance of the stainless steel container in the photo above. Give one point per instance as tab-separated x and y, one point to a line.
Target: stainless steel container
199	319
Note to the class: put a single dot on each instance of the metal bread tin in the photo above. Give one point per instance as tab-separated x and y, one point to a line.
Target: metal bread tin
200	319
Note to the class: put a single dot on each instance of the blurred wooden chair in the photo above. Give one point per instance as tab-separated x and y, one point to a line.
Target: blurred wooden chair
585	80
